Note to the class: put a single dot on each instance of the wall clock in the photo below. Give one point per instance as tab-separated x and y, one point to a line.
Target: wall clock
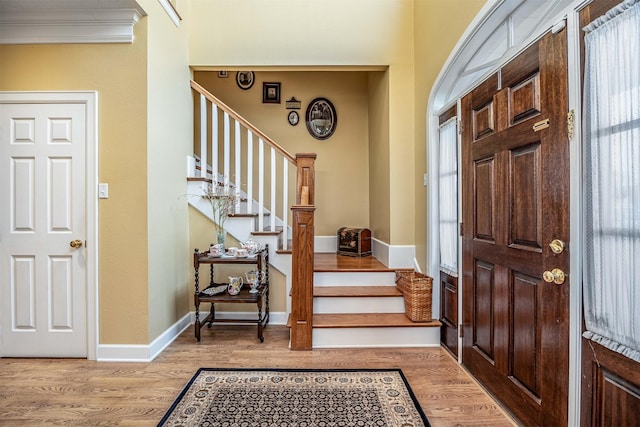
321	118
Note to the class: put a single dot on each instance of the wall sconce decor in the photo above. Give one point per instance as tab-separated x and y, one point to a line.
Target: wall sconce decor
271	93
245	79
321	118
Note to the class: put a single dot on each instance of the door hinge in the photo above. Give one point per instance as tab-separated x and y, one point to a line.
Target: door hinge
571	123
461	229
460	331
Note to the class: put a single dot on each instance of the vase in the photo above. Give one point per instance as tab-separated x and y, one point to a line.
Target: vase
220	236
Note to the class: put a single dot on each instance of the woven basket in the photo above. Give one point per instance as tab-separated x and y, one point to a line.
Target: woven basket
417	290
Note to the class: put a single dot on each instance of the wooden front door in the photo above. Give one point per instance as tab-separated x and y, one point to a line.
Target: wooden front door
515	171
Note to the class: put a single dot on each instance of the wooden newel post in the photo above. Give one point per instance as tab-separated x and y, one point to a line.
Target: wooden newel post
302	257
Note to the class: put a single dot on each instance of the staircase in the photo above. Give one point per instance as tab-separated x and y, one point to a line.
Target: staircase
356	304
336	301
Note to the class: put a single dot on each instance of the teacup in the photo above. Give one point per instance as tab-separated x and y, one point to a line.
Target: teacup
214	250
241	252
232	251
235	284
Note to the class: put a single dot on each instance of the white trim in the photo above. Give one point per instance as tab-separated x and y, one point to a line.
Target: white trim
147	353
325	244
171	11
63	21
90	100
575	221
394	256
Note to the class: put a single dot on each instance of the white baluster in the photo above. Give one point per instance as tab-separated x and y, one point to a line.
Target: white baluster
226	154
203	136
285	202
260	184
214	144
238	170
249	171
272	218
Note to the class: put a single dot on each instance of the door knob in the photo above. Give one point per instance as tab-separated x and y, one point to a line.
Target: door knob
557	246
75	243
556	276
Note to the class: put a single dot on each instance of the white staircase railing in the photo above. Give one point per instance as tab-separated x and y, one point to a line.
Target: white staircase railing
232	152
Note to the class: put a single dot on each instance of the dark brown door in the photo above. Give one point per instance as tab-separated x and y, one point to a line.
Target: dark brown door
515	155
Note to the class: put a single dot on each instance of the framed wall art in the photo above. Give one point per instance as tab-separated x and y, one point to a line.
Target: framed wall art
245	79
271	93
321	118
293	118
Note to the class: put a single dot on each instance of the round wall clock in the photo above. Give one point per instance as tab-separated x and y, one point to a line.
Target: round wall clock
321	118
293	118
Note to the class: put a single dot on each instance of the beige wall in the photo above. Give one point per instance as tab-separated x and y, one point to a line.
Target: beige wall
438	26
118	73
342	166
170	129
379	148
333	33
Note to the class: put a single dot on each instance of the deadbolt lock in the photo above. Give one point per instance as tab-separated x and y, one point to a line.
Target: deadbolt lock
557	246
75	244
556	276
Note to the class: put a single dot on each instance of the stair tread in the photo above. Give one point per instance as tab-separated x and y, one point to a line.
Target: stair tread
356	291
330	262
368	320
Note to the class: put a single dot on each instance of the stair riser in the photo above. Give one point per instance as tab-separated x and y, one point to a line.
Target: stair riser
354	279
324	305
376	337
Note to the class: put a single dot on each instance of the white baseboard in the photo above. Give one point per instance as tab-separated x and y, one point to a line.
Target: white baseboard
146	353
394	256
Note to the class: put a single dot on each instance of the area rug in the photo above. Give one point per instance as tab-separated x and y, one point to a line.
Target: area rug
296	398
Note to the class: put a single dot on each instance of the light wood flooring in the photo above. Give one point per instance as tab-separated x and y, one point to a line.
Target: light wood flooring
43	392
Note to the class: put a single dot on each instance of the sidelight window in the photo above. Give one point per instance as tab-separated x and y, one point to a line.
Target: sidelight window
448	193
612	180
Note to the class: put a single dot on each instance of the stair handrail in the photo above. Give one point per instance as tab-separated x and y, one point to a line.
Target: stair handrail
232	113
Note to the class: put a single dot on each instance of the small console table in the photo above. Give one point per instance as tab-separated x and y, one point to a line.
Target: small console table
260	298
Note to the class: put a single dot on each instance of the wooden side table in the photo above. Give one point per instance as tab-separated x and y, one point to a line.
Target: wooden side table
260	298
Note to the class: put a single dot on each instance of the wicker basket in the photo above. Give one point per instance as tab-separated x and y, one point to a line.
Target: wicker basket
416	289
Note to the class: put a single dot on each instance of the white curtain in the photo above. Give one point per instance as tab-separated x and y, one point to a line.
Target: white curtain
448	194
612	180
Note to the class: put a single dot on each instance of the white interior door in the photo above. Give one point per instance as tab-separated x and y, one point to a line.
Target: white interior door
43	277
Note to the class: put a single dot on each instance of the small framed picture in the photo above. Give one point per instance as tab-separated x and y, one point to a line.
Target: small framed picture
245	79
271	93
293	118
223	74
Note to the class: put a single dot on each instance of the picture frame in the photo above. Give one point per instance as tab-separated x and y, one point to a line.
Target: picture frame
223	74
245	79
321	118
293	118
270	93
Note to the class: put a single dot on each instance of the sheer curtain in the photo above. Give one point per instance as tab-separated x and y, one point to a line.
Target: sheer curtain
448	193
612	180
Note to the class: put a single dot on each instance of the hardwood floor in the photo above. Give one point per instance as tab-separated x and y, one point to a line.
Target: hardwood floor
44	392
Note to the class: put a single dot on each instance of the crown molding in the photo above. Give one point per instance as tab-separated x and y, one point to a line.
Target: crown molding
68	21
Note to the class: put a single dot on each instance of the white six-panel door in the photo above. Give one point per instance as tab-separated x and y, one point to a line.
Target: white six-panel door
43	279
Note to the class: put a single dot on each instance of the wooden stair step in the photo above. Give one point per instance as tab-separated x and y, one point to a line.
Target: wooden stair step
369	320
356	291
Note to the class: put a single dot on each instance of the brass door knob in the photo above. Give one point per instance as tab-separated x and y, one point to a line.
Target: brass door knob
75	244
556	276
557	246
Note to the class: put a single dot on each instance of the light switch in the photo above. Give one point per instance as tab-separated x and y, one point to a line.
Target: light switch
103	191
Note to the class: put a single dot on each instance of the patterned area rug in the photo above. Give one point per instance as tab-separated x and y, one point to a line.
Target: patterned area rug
296	398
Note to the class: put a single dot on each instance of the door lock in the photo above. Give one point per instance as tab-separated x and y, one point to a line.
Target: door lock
556	276
557	246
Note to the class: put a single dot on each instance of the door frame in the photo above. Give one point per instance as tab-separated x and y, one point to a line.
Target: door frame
571	21
90	100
